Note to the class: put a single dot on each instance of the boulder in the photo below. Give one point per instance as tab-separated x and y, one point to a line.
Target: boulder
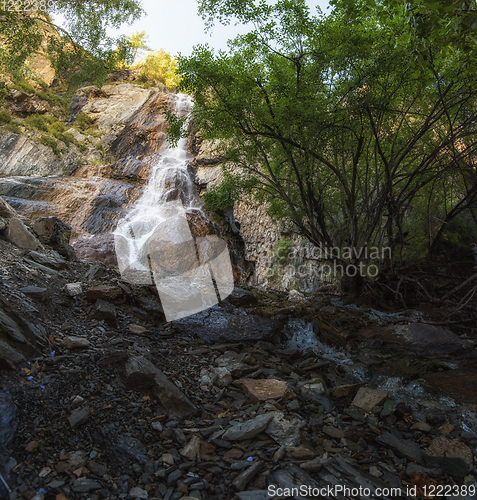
142	375
104	311
18	234
6	211
99	248
55	233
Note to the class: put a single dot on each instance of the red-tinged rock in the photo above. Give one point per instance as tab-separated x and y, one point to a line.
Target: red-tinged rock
263	389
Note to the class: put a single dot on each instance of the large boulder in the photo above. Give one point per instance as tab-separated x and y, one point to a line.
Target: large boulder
55	233
142	375
99	248
17	233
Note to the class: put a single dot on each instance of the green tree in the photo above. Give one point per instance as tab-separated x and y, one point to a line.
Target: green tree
162	67
326	120
137	41
82	52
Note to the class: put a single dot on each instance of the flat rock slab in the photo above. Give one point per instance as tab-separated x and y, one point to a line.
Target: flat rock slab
263	389
79	417
367	399
142	375
404	447
248	429
424	340
215	324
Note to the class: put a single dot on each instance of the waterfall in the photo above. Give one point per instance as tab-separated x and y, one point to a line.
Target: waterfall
154	243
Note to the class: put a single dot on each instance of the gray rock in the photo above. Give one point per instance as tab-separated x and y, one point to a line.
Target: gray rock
79	417
137	492
21	156
84	485
248	429
404	447
52	260
104	311
8	422
9	357
18	234
142	375
241	481
283	431
215	324
35	292
127	446
73	289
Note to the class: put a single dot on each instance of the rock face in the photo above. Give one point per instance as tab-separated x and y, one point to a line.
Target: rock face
21	156
55	233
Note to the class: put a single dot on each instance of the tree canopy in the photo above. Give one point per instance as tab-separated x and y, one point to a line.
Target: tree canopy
327	120
82	51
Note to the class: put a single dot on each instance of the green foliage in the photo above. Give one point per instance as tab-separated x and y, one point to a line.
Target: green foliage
83	52
330	124
281	252
24	86
224	195
12	127
53	99
162	67
37	122
50	142
137	43
83	122
5	117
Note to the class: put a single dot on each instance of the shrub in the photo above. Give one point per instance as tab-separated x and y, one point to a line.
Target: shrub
83	121
12	127
50	142
53	99
5	117
24	86
36	122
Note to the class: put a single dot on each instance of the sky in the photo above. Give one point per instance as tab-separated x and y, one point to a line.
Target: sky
175	26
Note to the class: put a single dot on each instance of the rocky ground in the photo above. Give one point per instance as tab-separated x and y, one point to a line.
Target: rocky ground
101	398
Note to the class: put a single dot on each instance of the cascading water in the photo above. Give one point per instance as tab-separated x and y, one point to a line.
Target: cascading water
154	242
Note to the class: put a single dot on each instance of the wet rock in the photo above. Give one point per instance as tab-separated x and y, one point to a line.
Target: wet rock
248	429
241	298
104	311
79	417
454	456
403	447
55	233
104	292
74	289
18	234
141	374
219	325
367	399
263	389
